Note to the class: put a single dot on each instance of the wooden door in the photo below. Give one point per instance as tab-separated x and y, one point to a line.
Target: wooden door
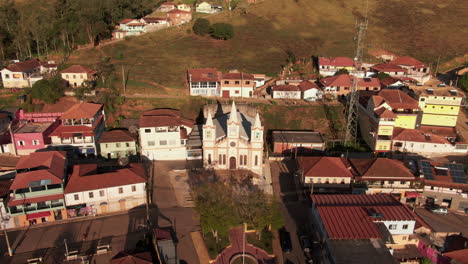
122	204
232	163
225	94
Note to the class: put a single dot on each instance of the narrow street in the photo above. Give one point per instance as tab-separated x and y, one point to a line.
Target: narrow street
294	207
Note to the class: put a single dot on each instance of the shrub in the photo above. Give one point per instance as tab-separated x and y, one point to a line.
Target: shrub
201	26
48	91
222	31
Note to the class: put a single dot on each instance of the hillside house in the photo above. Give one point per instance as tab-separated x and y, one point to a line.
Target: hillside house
80	128
22	74
128	28
166	7
155	23
37	190
179	17
342	84
329	66
233	140
310	91
259	79
95	190
285	91
205	7
164	134
184	7
390	69
117	143
204	81
78	75
237	84
416	69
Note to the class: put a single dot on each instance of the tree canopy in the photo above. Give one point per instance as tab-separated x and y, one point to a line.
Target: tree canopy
222	31
463	82
49	91
201	26
382	75
341	71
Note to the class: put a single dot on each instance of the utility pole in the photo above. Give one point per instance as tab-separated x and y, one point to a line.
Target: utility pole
10	252
123	80
353	100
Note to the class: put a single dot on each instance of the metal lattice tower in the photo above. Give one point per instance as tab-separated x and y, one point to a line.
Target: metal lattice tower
353	100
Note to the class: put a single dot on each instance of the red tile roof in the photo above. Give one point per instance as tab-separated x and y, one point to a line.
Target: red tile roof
348	222
178	11
388	81
24	66
285	88
116	136
125	21
204	75
323	167
460	256
15	202
78	69
353	199
384	113
337	61
414	135
237	76
346	80
397	99
381	168
82	110
5	187
84	177
408	61
388	67
440	131
163	118
132	258
307	85
68	131
168	4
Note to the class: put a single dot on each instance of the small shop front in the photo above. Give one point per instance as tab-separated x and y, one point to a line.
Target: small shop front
80	210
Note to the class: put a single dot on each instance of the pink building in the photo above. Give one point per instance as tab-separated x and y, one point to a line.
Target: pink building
29	136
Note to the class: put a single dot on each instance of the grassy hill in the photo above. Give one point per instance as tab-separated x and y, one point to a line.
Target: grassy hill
424	29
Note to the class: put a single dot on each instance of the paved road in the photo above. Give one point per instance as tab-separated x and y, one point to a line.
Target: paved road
294	208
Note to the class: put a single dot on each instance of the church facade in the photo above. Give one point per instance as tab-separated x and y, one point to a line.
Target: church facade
233	141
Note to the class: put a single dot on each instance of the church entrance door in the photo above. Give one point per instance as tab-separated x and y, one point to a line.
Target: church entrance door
232	163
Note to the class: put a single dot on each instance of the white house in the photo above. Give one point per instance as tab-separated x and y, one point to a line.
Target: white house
416	141
310	91
164	134
129	27
104	192
285	91
233	140
204	7
78	75
21	74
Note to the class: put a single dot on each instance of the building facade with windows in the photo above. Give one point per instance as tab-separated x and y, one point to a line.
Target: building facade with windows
117	143
80	128
37	190
233	140
94	190
329	66
204	81
237	84
78	75
164	134
21	74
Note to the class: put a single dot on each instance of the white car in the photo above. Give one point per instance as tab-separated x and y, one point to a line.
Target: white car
440	210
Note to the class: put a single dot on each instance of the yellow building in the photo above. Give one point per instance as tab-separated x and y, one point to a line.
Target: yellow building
440	105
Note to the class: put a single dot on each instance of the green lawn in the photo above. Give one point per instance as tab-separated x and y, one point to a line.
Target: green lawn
263	34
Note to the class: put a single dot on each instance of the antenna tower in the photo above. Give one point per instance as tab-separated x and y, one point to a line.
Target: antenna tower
353	99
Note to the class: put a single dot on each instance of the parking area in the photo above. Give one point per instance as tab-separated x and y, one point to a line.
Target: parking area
451	222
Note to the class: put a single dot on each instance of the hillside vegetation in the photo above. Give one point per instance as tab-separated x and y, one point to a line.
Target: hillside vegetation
264	33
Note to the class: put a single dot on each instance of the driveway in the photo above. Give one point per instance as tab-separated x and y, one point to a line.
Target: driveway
294	207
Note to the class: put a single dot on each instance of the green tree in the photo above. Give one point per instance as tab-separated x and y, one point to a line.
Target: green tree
105	71
382	75
341	71
222	31
49	91
201	26
463	82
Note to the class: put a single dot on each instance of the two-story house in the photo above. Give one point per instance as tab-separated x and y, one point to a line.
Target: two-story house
444	184
206	7
416	69
342	84
204	81
164	134
78	75
21	74
329	66
117	143
179	17
382	175
95	190
37	190
237	84
80	127
325	174
129	27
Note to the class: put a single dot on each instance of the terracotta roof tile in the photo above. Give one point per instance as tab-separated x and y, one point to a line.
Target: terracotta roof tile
84	177
384	113
346	80
116	136
397	99
78	69
24	66
307	85
381	168
337	61
285	87
204	75
388	67
414	135
178	11
5	187
125	21
237	76
132	258
460	256
163	117
353	199
408	61
324	167
82	110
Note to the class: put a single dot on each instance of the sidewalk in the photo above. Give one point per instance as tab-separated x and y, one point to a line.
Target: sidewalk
200	247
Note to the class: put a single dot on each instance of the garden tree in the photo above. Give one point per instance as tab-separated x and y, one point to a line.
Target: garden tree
463	82
382	75
222	31
105	70
201	26
215	206
48	91
341	71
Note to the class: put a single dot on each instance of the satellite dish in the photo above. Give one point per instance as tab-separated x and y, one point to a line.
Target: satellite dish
123	161
133	129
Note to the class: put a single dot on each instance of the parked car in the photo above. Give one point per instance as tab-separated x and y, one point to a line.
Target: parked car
440	210
285	239
441	85
305	243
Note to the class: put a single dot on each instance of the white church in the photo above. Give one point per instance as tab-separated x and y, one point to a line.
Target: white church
233	140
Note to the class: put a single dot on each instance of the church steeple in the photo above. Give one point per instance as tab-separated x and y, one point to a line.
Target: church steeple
209	119
257	123
233	115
